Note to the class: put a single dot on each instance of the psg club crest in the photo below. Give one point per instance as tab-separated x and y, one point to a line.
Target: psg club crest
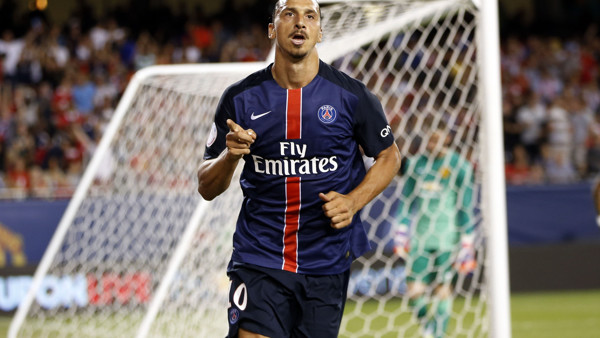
234	315
327	114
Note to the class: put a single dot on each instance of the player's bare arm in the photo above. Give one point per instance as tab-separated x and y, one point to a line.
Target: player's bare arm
341	208
214	176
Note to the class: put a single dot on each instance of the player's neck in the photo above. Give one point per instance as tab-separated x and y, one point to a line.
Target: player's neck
294	74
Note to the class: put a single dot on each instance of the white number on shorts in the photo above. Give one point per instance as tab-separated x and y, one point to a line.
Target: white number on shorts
240	294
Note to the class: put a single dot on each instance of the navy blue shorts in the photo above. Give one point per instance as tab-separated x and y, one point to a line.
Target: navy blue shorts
278	303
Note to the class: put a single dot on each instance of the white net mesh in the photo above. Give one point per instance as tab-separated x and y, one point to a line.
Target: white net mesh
417	56
420	61
125	230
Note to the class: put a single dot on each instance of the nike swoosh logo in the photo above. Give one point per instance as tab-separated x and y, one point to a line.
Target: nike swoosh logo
254	117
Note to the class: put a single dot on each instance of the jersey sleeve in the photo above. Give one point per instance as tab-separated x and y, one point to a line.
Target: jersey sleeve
371	128
219	129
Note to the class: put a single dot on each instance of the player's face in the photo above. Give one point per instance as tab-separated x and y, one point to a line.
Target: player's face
296	27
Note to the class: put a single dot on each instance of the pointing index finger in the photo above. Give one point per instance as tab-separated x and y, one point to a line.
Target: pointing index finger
234	127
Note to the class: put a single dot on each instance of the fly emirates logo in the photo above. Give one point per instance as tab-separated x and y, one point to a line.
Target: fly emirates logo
294	162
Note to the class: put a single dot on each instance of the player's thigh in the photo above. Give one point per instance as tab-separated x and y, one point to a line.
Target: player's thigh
259	304
247	334
321	305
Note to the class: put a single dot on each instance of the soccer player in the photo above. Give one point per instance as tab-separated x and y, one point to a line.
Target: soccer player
299	125
434	233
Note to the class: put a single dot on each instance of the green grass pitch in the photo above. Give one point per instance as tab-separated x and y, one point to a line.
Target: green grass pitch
556	315
541	314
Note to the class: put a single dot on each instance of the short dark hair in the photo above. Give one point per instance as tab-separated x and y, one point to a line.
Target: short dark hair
276	7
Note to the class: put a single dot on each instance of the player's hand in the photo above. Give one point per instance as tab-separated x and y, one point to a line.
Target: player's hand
401	242
238	140
465	260
339	208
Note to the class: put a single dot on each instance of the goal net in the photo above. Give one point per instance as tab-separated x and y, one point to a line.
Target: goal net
139	253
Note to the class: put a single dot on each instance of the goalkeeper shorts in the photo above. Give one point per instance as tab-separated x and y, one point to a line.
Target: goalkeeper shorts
278	303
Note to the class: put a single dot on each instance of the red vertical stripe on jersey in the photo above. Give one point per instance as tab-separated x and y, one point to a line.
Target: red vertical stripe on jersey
294	114
292	184
292	223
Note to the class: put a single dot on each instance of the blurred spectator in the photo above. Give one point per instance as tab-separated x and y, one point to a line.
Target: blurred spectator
582	119
18	178
106	33
3	187
83	92
55	57
591	95
64	110
560	132
558	167
3	166
58	180
11	49
187	53
39	183
6	130
549	86
29	68
201	35
21	145
105	90
511	128
145	52
532	119
520	171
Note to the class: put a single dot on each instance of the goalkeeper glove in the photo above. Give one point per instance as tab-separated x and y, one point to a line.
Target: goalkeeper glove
465	260
401	241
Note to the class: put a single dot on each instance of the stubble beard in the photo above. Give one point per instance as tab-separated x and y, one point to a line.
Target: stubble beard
297	53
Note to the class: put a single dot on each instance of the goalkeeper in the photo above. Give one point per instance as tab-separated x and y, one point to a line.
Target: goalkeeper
434	233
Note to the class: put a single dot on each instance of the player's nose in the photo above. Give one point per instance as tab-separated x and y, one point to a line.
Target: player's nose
299	22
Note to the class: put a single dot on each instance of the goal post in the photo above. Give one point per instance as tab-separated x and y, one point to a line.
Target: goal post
493	178
139	253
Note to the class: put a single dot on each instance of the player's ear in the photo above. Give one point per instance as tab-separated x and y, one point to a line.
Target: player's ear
320	35
271	33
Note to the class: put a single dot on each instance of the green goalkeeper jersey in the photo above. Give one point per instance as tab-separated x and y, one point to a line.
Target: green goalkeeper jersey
436	202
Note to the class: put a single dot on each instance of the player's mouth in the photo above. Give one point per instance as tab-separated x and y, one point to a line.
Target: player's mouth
298	38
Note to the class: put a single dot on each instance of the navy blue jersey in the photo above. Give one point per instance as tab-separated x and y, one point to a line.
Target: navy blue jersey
307	142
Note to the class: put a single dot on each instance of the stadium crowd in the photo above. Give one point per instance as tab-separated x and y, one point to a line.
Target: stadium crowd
59	86
551	108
